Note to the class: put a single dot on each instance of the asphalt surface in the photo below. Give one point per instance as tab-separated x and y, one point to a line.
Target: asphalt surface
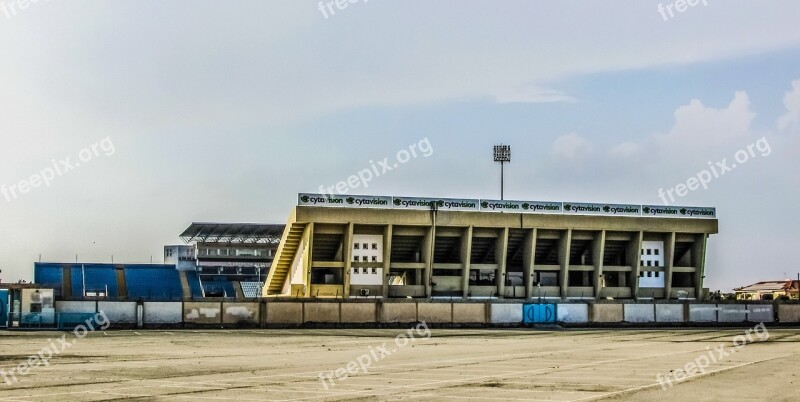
437	364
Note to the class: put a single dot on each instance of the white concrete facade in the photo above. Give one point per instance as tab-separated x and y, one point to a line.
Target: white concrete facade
367	249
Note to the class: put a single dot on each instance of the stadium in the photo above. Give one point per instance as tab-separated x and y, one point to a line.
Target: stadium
367	261
346	276
384	260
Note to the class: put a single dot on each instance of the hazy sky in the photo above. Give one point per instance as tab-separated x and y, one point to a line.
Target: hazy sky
224	111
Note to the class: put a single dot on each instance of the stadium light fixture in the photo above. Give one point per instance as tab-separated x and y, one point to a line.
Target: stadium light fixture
502	154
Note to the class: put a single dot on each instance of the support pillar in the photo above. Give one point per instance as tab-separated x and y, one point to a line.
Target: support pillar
563	260
598	251
466	260
669	263
502	253
528	257
347	254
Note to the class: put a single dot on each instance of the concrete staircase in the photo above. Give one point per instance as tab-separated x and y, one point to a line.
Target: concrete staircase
66	283
187	291
282	264
122	285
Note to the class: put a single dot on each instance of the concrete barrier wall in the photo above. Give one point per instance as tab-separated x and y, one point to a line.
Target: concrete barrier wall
284	313
321	312
358	313
162	313
605	313
202	312
469	313
732	313
670	313
760	313
398	312
639	313
119	312
702	313
435	312
506	313
788	313
572	313
76	307
334	312
240	313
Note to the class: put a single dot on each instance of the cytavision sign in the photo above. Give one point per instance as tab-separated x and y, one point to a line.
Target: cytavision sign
582	208
451	204
466	204
678	212
521	206
329	200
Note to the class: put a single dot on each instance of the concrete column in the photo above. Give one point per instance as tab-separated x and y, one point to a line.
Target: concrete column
669	262
699	262
387	258
427	257
502	253
564	245
598	250
308	257
466	255
635	258
528	257
347	254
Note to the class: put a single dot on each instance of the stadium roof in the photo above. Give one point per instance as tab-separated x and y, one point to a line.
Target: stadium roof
233	233
770	286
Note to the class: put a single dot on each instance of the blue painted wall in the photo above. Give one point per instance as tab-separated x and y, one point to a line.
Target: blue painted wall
3	308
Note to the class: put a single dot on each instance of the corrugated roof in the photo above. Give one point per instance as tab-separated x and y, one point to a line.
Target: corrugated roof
770	286
233	233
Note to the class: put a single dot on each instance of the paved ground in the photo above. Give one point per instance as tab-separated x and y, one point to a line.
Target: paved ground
513	365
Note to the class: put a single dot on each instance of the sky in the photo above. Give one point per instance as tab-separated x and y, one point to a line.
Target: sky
123	122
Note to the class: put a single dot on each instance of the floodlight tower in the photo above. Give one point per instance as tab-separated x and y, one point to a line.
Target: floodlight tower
502	154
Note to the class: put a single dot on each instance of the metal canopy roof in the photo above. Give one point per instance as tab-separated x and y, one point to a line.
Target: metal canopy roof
770	286
233	233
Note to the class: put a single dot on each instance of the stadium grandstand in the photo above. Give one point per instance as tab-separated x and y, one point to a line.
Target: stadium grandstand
220	260
408	247
230	259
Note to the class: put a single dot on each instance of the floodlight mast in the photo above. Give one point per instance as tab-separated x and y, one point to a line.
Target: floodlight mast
502	154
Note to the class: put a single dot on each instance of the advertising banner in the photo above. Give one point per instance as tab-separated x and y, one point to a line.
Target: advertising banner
339	200
521	206
467	204
442	204
582	208
678	212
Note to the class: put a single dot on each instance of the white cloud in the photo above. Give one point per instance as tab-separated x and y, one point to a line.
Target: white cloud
532	94
625	149
698	126
570	146
696	129
792	102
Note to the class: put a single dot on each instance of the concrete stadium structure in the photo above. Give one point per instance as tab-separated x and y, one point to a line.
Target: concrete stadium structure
393	247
